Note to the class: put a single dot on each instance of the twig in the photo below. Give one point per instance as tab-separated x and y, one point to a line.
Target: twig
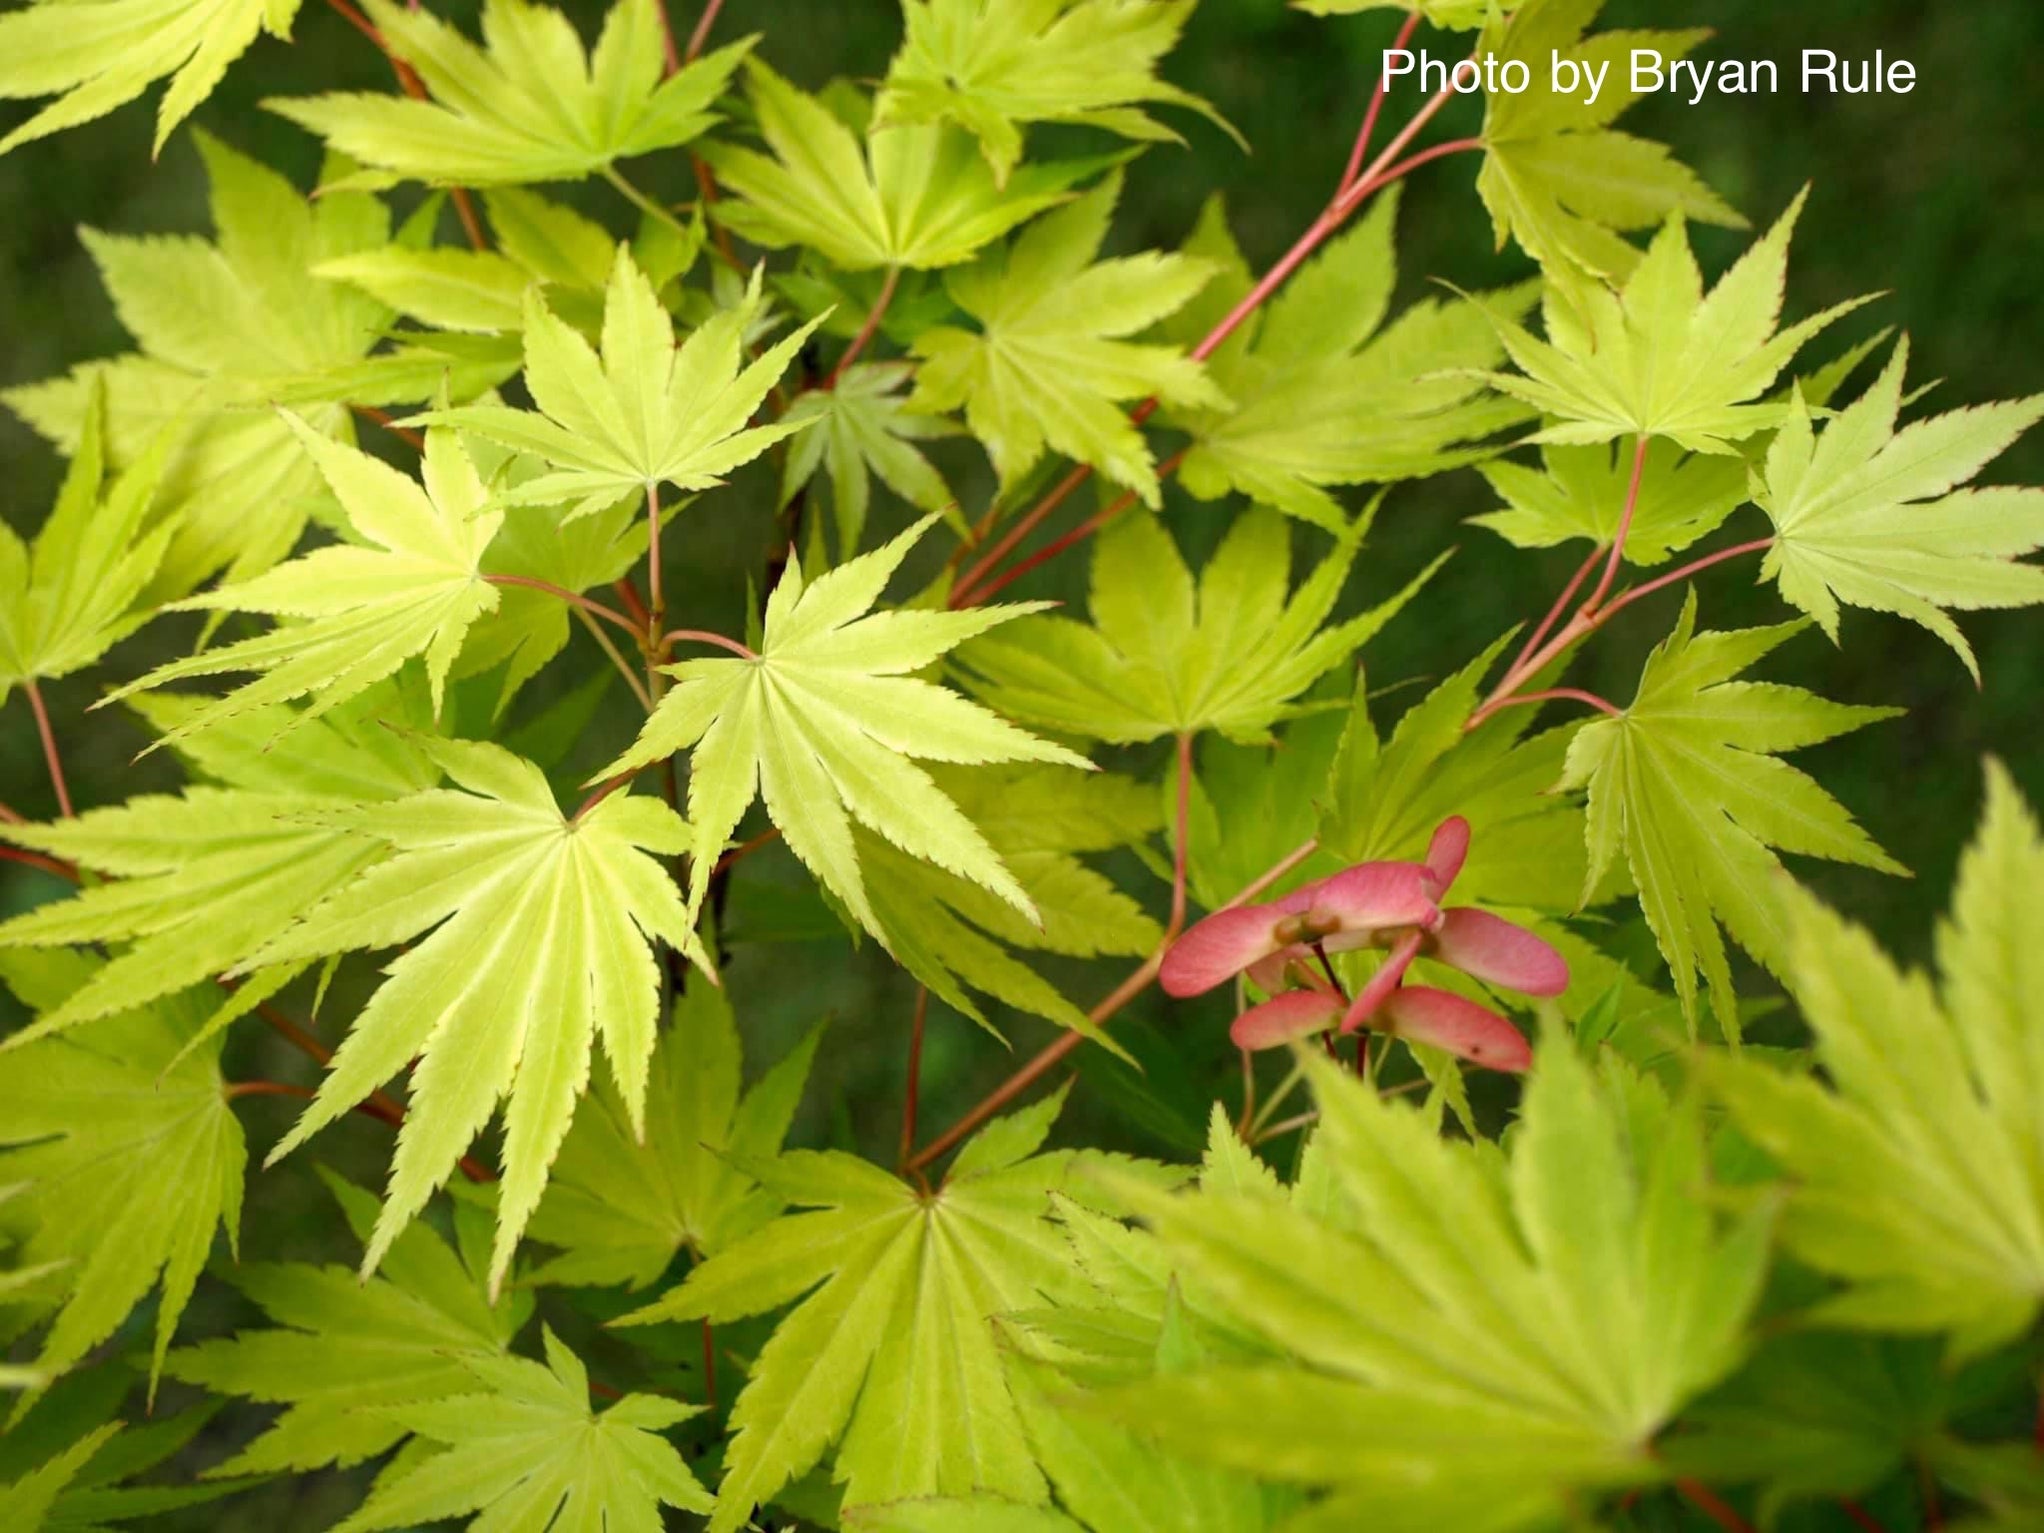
1568	593
413	439
38	860
1563	694
700	37
624	668
1383	91
1639	469
1708	1502
704	636
574	599
51	757
745	849
866	330
1626	598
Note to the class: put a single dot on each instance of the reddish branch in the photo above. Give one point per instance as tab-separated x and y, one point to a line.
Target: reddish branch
867	330
1713	1506
51	758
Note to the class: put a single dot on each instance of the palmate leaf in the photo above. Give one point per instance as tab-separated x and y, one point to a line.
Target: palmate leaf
1556	176
1871	517
1474	1339
222	325
992	66
914	196
525	1452
1049	366
864	431
131	1155
198	882
891	1356
365	610
341	1348
1580	493
26	1503
527	107
1914	1173
542	932
1322	390
952	934
622	1203
69	597
1686	784
1660	357
826	722
98	59
1165	656
645	411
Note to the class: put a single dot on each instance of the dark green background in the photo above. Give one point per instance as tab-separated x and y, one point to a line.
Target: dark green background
1932	197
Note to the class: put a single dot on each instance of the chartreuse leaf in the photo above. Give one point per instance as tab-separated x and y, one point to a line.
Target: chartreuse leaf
1473	1338
644	412
1165	656
130	1155
1686	784
1048	367
366	610
527	107
69	597
523	1450
222	326
341	1349
950	932
992	66
916	196
1580	493
541	937
1871	517
864	431
826	722
26	1503
1659	357
623	1202
94	61
1556	176
1914	1173
891	1356
200	881
1322	391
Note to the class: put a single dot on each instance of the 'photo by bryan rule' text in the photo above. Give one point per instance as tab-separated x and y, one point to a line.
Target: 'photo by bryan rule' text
1651	72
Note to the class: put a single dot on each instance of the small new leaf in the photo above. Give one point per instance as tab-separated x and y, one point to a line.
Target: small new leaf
1659	357
1580	493
525	1453
1686	783
541	940
992	66
864	431
825	723
1913	1175
528	107
364	611
1164	656
1048	367
1871	517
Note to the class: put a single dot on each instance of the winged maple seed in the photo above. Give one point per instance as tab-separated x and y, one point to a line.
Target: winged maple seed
1394	905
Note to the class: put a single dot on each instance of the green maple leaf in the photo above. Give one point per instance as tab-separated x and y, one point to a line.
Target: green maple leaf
1872	517
623	1202
365	610
1164	656
825	723
542	932
1686	783
94	61
524	1451
915	196
890	1356
993	65
198	882
864	431
223	326
1322	390
1048	366
1556	176
1580	492
953	934
26	1503
341	1349
130	1152
69	597
1659	357
1472	1337
528	107
1913	1176
645	411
